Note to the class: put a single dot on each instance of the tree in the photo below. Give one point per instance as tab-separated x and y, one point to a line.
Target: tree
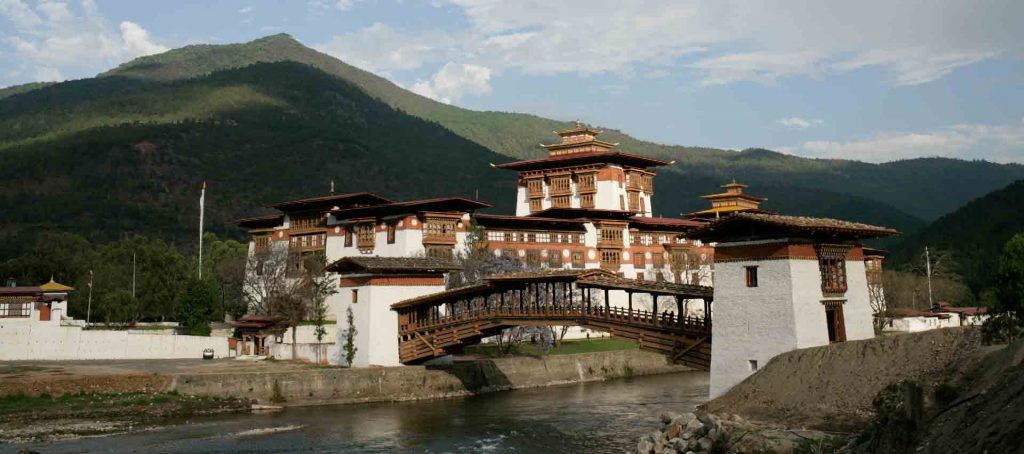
116	308
225	261
321	286
350	337
199	302
1010	278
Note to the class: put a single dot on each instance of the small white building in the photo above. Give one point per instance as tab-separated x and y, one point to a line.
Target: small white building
944	315
783	283
369	286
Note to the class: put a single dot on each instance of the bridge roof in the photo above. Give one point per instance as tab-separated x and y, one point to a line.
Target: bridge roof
469	291
614	282
593	278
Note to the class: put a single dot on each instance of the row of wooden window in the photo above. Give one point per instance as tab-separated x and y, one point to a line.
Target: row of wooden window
306	222
534	237
554	258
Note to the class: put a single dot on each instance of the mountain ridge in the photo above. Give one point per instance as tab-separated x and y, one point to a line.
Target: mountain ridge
153	111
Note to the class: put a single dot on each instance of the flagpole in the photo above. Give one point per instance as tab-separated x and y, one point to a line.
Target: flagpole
202	203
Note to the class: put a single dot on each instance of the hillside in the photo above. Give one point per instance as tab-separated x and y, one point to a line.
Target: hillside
260	134
125	151
974	233
922	188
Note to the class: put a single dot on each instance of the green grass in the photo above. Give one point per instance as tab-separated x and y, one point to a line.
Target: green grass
22	403
568	347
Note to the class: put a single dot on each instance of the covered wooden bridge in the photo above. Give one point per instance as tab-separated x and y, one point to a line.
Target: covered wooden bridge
443	323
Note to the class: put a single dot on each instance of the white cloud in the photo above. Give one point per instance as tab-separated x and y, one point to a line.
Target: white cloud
454	81
245	10
343	5
723	42
381	48
53	39
799	123
1000	143
137	41
19	13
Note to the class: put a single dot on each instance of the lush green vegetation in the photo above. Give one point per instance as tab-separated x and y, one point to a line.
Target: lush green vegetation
22	403
567	347
165	284
974	236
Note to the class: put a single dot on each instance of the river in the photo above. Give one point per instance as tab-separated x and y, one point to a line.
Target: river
598	417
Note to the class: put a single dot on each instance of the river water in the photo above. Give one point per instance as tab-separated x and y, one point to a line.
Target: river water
601	417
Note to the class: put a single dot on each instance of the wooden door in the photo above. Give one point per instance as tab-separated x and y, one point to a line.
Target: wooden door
835	323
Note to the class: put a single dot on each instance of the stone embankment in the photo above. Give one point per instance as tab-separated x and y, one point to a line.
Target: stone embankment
318	386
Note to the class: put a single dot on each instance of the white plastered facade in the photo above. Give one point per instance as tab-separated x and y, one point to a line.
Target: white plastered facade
784	312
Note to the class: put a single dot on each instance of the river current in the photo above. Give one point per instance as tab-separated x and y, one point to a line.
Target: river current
601	417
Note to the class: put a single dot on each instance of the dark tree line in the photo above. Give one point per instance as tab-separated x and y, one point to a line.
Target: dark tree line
166	283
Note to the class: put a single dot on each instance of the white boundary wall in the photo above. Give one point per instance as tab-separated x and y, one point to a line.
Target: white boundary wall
36	341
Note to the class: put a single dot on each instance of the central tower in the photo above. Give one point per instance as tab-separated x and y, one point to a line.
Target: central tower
587	173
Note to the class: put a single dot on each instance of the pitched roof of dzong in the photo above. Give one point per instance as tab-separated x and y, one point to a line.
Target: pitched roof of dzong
748	226
595	157
393	265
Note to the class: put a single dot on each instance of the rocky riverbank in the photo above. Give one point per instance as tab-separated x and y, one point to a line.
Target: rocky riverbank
933	392
705	432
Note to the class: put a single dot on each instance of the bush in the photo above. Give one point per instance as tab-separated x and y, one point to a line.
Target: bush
1001	329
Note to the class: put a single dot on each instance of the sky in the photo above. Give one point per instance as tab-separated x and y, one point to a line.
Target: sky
868	80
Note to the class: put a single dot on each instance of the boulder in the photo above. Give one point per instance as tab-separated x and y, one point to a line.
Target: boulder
678	444
659	440
666	418
673	430
705	444
695	427
644	446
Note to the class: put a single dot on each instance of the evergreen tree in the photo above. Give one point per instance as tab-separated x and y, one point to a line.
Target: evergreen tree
350	337
1010	278
198	306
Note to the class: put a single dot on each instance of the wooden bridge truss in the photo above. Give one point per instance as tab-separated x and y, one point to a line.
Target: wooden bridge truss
443	323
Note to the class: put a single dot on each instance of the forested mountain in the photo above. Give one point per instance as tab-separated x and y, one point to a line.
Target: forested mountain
974	234
126	152
259	134
923	188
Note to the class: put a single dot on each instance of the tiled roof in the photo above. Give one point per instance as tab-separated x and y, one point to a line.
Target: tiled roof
257	222
803	224
388	265
591	157
595	278
546	275
468	291
614	282
362	198
674	224
412	206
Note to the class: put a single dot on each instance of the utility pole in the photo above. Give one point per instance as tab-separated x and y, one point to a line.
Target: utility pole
133	274
88	308
928	268
202	204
